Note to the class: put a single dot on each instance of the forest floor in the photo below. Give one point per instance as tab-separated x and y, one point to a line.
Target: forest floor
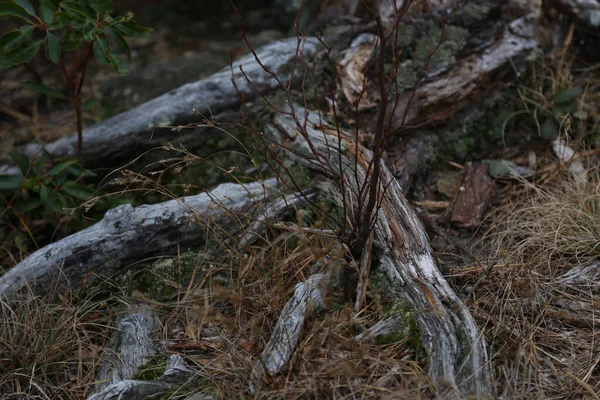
523	256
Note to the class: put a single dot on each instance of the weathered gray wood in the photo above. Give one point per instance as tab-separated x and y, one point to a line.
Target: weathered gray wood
175	375
139	128
585	12
517	43
127	234
458	363
134	348
308	297
382	328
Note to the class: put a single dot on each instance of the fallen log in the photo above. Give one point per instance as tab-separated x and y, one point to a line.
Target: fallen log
147	125
128	234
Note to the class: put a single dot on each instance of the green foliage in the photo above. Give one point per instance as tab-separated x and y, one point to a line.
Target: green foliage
66	26
48	190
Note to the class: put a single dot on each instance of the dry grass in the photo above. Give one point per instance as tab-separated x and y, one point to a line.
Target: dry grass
236	303
537	307
553	226
49	350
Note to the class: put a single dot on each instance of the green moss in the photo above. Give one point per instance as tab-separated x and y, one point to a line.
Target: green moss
470	14
407	76
408	330
393	304
390	338
406	35
158	280
152	370
445	55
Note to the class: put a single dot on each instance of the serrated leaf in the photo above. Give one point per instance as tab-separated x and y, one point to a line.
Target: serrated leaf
60	166
119	39
10	182
25	5
52	48
51	199
13	10
19	55
118	64
43	89
567	95
22	161
79	191
102	6
47	11
27	205
101	50
130	28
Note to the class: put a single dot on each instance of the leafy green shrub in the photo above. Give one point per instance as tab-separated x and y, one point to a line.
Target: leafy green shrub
81	27
47	191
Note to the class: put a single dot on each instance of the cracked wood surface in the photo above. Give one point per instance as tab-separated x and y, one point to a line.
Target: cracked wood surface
128	234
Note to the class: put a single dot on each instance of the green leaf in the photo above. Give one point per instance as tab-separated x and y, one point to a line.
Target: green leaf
71	45
78	171
581	115
25	5
9	38
567	95
75	10
27	205
118	64
13	39
52	48
62	19
119	39
101	50
43	89
78	191
60	166
102	6
10	182
549	129
130	28
561	109
89	31
88	105
19	55
47	11
31	184
51	199
22	162
13	10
